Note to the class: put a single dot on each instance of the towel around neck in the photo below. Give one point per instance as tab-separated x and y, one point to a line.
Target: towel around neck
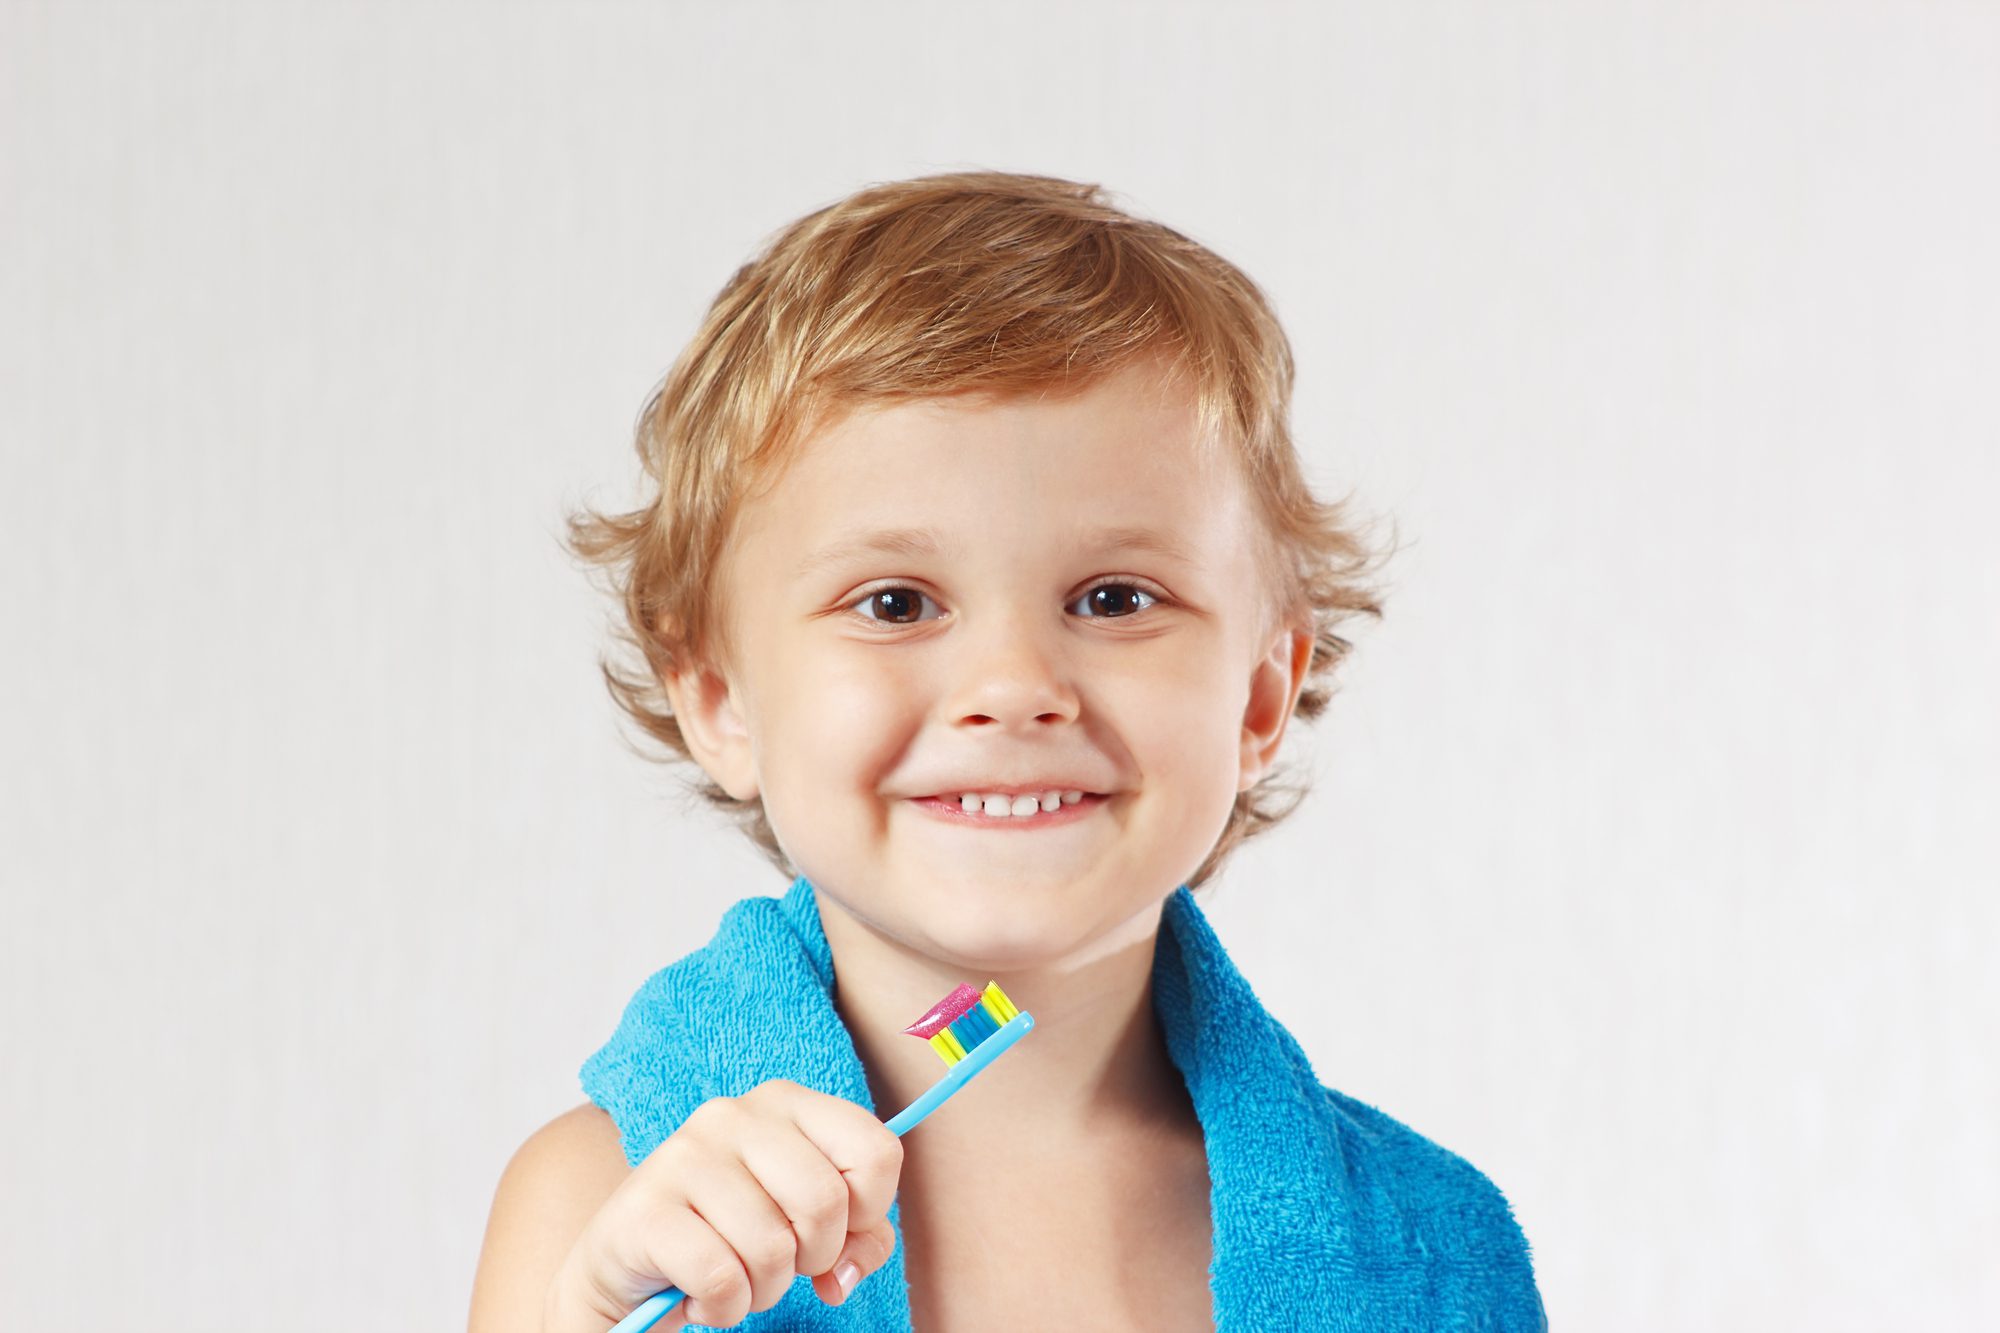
1326	1213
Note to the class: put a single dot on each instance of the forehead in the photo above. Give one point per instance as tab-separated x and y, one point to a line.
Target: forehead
984	472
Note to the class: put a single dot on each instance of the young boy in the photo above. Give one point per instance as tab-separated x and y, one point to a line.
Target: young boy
981	584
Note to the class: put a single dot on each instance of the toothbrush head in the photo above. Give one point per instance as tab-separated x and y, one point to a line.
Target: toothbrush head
963	1019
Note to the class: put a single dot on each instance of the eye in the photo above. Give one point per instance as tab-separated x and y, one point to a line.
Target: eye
891	606
1112	601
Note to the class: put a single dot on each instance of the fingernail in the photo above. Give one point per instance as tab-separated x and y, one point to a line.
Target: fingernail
847	1275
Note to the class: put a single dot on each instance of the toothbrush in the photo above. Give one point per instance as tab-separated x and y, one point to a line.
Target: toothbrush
967	1029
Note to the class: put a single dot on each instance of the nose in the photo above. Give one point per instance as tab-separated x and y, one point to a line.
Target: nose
1014	674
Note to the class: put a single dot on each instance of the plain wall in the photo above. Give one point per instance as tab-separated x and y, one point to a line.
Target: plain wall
1652	861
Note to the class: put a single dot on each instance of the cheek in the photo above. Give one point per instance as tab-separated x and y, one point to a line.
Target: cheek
835	723
1181	728
1184	710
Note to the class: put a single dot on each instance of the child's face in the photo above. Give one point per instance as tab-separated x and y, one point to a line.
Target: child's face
1007	671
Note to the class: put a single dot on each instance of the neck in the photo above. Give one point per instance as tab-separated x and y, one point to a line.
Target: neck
1095	1065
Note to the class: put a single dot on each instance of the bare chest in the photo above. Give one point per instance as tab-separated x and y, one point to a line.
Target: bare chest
1073	1250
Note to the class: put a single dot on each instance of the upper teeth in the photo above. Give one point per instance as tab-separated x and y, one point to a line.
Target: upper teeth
997	803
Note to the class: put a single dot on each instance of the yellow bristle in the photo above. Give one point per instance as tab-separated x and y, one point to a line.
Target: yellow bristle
998	1004
948	1046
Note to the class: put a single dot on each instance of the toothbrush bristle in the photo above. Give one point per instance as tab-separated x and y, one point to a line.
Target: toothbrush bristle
961	1020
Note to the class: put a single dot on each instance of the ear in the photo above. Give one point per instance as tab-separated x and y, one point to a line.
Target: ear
712	725
1275	684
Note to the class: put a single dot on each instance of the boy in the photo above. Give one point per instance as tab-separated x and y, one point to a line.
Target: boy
981	585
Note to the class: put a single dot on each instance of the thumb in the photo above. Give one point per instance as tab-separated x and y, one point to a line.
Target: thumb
866	1251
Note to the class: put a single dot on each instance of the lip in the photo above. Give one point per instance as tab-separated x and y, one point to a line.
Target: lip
988	789
953	812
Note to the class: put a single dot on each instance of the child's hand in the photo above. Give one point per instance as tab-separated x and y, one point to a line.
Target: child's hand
748	1193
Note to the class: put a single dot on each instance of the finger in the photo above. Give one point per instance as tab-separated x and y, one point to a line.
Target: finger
692	1255
867	1152
867	1251
807	1187
731	1200
632	1254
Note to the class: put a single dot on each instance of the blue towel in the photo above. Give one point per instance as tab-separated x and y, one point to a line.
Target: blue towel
1327	1214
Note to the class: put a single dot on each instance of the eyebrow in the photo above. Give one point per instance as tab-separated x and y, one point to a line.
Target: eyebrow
927	541
890	541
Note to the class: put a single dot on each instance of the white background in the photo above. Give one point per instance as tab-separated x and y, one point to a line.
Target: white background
1652	864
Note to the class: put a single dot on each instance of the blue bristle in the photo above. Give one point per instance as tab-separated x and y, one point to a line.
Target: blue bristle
973	1026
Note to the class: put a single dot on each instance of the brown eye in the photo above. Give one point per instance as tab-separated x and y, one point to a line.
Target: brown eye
1110	601
893	606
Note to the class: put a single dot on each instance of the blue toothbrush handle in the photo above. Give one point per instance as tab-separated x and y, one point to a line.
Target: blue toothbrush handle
649	1311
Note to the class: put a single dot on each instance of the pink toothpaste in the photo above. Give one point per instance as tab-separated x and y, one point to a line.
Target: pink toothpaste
945	1012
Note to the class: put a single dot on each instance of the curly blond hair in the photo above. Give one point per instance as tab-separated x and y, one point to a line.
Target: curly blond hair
968	281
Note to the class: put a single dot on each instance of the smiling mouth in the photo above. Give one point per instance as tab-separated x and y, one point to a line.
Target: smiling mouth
953	810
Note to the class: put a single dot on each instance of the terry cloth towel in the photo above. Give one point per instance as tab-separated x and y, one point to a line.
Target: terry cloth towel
1327	1214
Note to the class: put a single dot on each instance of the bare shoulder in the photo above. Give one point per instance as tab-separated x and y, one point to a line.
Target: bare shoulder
553	1185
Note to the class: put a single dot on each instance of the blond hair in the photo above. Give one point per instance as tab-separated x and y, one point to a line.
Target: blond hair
969	281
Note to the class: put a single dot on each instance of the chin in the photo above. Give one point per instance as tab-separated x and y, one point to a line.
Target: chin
1007	879
984	948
